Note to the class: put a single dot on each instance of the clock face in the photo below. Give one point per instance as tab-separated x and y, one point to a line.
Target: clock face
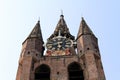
59	43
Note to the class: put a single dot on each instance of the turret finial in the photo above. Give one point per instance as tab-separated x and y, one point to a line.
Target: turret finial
61	14
82	18
39	20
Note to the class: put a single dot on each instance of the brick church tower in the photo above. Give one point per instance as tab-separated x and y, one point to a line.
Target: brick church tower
65	58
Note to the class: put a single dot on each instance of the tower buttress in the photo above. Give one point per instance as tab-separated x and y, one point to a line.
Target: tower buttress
88	51
32	50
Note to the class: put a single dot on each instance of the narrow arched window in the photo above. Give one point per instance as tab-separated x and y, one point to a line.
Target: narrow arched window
42	72
75	72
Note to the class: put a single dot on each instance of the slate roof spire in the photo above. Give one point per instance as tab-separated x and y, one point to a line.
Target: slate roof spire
84	28
36	32
62	26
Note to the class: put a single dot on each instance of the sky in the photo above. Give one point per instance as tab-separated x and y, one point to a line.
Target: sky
18	17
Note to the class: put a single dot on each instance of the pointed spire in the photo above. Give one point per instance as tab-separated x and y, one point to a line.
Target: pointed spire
62	27
36	32
61	22
84	28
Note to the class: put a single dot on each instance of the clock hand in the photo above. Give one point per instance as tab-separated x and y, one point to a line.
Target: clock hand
60	42
55	43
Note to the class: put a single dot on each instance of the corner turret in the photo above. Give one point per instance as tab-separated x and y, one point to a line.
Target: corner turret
33	45
86	40
32	51
88	51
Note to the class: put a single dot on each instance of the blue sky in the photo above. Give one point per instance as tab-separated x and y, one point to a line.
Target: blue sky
18	17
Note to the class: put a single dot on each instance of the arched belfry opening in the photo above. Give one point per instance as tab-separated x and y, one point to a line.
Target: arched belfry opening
42	72
75	71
